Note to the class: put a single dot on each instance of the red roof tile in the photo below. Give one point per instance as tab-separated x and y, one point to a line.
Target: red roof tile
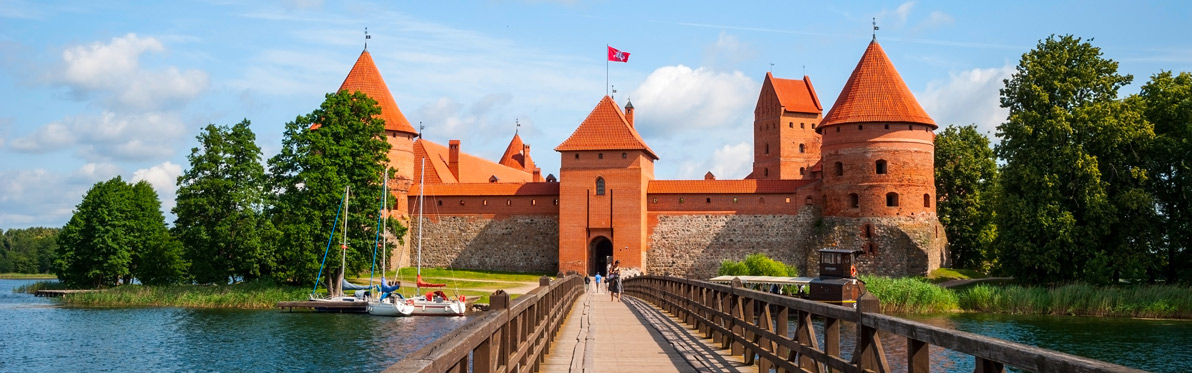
605	129
796	95
472	169
365	77
724	186
875	93
513	156
489	189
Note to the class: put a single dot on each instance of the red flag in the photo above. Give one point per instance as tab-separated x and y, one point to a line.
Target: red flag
615	55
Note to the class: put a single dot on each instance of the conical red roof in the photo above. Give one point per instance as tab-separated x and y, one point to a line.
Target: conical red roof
513	156
605	129
875	93
365	77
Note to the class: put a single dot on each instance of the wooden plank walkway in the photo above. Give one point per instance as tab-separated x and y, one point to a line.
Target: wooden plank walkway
600	335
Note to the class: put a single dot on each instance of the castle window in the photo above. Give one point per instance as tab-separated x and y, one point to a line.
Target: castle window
709	200
680	199
868	230
837	128
533	202
788	199
484	203
807	201
813	126
761	199
880	166
892	199
576	155
926	200
792	125
624	155
655	200
556	201
887	126
734	199
801	170
910	127
801	125
765	172
767	148
854	201
508	202
461	202
839	167
801	148
599	155
860	127
600	186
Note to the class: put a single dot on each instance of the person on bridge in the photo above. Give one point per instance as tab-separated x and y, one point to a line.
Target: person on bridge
597	282
587	282
614	282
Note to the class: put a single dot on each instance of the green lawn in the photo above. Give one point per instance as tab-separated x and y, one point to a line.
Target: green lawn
28	276
947	274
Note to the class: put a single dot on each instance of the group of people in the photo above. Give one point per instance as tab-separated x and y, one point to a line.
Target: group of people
613	281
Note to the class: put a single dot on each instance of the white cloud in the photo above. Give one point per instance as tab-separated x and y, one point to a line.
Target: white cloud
163	177
729	162
968	97
900	14
678	97
112	74
108	136
727	52
37	197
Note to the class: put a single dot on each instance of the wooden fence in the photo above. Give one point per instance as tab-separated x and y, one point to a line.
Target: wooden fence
510	337
755	325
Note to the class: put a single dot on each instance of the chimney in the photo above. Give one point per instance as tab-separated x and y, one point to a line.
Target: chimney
709	176
537	175
527	163
629	112
453	159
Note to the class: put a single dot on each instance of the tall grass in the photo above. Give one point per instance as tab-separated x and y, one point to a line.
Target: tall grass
250	295
1152	301
33	287
28	276
910	295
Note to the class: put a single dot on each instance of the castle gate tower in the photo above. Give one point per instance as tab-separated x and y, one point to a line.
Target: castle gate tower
785	141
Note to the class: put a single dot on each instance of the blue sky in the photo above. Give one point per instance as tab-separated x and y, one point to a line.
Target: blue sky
91	90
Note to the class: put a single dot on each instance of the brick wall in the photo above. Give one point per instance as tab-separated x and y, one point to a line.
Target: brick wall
693	245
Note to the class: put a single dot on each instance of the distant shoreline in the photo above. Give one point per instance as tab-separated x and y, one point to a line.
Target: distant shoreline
27	276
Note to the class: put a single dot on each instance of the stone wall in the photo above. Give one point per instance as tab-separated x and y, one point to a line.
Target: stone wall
693	245
893	246
527	243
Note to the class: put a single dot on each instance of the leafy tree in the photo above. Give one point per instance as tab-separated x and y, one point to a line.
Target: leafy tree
116	233
29	250
1071	187
965	175
310	174
732	268
221	197
1167	99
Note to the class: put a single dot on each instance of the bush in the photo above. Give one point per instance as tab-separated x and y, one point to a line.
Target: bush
910	295
757	264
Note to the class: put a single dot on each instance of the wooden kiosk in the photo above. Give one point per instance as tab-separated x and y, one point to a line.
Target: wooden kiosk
837	282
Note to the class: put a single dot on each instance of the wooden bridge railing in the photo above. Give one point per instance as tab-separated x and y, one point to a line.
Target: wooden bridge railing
510	337
755	325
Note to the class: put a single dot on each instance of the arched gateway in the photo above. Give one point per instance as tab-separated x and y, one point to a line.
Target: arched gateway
600	251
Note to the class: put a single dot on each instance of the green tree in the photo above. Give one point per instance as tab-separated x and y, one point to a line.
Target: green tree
757	264
220	209
1071	188
29	250
310	174
116	233
1167	99
965	175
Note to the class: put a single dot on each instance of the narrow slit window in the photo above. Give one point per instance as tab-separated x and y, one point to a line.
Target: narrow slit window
891	199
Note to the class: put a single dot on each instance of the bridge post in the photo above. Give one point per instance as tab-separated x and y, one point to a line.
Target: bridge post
869	353
735	314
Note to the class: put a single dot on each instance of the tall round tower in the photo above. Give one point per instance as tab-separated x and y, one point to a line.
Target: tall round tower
878	146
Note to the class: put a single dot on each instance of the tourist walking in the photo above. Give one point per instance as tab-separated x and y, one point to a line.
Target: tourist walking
587	282
597	282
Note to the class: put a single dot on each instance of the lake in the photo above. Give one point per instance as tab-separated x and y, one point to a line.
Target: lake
37	335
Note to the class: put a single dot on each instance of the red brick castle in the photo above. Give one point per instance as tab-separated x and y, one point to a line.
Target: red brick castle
859	177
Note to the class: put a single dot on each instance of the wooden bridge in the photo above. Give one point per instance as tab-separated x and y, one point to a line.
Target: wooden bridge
667	324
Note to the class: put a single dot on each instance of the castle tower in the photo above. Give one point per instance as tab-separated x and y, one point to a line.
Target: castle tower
878	146
365	77
785	141
517	155
603	178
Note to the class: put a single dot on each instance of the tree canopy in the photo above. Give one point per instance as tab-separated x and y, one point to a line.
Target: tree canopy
309	176
965	175
29	250
220	207
757	264
1073	153
1167	101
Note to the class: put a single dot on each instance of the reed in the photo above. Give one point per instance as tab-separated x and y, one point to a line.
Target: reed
910	295
250	295
27	276
1149	301
33	287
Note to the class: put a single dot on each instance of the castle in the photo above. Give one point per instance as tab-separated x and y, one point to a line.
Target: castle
859	177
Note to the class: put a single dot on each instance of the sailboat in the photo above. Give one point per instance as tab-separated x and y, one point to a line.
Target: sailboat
390	302
434	303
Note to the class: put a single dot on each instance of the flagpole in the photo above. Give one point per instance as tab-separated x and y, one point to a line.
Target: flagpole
606	46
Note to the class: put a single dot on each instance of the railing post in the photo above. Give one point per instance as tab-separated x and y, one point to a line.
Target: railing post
988	366
736	315
917	356
869	353
499	302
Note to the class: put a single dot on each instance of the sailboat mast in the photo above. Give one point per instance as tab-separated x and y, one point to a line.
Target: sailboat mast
421	197
385	225
343	248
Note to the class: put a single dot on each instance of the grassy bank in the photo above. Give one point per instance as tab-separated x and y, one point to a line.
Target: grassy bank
33	287
910	295
1151	301
250	295
916	295
27	276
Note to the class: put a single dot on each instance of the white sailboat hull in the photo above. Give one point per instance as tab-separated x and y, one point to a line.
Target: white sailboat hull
387	308
438	308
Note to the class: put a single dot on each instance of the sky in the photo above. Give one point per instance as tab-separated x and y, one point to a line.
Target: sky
92	90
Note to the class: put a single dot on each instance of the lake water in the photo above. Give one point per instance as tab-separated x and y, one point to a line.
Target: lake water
38	335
